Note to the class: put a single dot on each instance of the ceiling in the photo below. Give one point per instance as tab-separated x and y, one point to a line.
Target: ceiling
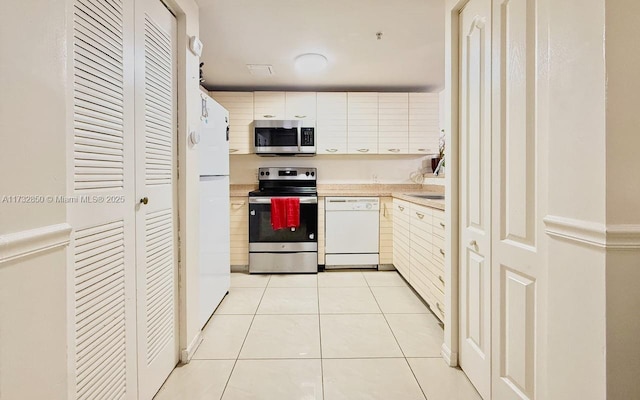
409	57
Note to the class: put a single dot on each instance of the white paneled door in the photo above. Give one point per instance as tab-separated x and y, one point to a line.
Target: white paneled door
475	193
156	222
516	259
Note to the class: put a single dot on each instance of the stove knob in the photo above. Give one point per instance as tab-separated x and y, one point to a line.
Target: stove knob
313	173
262	173
268	173
307	173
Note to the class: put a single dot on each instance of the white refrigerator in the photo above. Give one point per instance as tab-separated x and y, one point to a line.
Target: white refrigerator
213	152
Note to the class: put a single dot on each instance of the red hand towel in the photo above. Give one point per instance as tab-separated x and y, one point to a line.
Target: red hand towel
285	213
293	212
278	213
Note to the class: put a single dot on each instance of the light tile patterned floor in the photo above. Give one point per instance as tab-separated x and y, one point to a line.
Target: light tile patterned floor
338	335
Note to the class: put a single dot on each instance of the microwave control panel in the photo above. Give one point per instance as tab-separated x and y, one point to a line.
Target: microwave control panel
307	137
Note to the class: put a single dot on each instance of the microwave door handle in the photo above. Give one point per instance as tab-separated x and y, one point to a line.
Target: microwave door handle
299	137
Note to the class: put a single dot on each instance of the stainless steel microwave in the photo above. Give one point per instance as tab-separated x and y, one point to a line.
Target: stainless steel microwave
283	137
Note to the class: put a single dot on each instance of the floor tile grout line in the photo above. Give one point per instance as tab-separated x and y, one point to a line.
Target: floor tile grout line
320	337
243	341
404	356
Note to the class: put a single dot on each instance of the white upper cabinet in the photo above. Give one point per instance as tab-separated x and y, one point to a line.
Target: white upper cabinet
331	123
424	123
240	107
393	123
301	105
362	122
268	105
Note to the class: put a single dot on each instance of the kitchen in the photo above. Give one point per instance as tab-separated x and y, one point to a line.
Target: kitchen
354	163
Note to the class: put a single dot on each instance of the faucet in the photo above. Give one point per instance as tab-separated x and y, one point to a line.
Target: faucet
436	172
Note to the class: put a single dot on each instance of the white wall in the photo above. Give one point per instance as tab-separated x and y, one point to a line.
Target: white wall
334	169
623	197
575	105
188	203
33	359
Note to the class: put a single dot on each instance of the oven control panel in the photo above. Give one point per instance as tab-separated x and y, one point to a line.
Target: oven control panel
288	173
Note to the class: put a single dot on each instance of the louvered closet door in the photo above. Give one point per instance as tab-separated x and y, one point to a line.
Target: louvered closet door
156	222
101	177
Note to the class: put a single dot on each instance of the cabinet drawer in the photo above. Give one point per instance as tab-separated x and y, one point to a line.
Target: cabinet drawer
438	249
437	305
437	224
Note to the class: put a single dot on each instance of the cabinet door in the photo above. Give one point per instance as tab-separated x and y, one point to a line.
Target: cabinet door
301	105
362	133
240	107
386	230
331	124
268	105
401	210
393	123
239	223
424	123
321	236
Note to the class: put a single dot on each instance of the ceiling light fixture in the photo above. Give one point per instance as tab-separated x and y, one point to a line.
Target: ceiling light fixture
310	63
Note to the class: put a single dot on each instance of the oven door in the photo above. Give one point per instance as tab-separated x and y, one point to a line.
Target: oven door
263	238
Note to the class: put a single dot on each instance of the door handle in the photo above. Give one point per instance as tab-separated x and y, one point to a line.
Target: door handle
473	243
401	208
441	279
144	200
442	224
332	150
419	215
442	252
363	150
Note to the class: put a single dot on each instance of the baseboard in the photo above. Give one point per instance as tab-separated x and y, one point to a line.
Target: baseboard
240	268
187	354
449	357
386	267
25	243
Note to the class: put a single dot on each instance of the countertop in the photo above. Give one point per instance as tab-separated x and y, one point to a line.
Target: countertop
399	191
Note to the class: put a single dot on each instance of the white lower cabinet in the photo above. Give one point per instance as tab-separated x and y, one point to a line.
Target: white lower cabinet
239	219
418	236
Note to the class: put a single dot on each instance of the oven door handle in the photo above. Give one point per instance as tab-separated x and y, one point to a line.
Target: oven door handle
267	200
299	136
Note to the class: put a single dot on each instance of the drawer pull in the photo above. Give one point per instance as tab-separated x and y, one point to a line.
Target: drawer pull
363	150
422	149
439	308
233	150
442	224
268	116
401	208
300	116
442	252
332	150
441	279
394	150
419	215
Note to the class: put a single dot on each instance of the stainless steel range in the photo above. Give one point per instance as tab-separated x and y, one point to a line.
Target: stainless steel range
291	249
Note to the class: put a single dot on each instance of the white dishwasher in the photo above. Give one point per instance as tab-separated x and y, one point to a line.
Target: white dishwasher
352	226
